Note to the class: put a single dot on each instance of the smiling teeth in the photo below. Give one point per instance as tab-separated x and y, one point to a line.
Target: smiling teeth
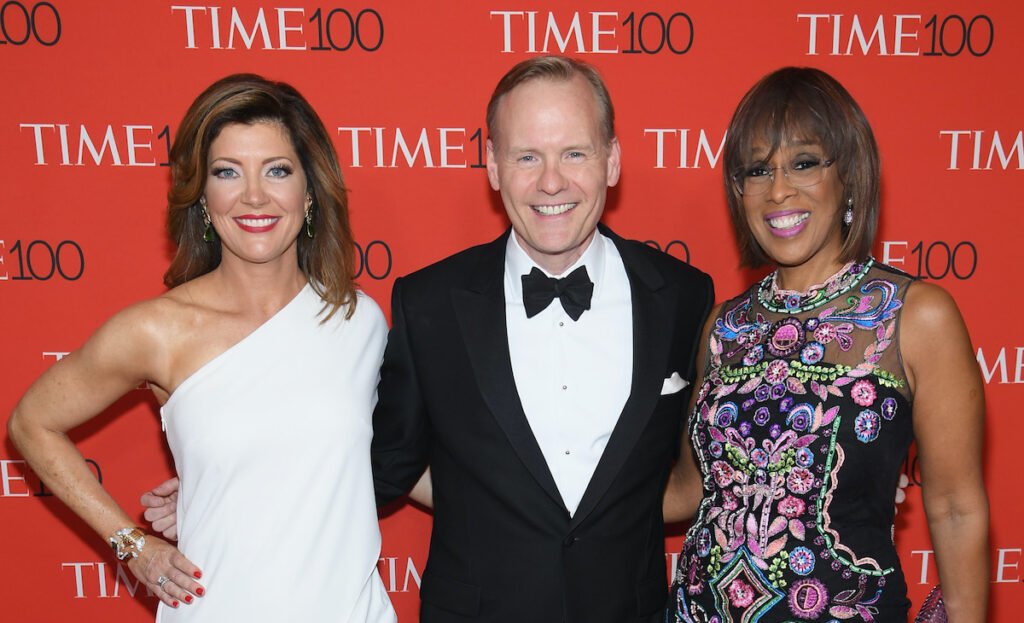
788	221
554	210
257	222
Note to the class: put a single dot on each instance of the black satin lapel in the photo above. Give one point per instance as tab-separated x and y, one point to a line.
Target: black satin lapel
481	318
653	325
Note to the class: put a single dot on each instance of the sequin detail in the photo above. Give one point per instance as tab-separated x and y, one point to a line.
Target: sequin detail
793	387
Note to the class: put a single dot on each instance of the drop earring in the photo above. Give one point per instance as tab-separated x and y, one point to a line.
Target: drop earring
309	217
209	234
848	213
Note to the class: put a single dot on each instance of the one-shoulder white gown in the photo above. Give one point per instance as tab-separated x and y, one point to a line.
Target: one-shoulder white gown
271	440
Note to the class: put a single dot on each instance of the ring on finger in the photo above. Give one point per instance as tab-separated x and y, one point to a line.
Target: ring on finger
163	579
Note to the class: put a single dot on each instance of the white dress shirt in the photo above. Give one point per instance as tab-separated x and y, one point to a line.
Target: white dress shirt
573	378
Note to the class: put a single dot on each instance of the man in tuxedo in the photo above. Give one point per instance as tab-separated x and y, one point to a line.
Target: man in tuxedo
544	378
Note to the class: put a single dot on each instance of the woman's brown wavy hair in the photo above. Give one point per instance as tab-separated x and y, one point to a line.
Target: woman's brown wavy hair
327	259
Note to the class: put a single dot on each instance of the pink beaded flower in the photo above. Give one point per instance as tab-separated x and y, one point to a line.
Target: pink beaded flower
777	371
791	507
740	593
863	393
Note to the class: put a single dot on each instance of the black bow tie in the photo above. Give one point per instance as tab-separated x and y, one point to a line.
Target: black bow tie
573	291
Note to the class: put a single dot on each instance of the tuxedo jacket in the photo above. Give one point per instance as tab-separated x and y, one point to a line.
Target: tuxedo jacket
503	546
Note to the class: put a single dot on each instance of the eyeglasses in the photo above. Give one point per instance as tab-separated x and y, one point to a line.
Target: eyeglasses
804	171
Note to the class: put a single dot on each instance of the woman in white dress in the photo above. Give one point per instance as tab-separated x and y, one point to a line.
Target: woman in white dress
265	359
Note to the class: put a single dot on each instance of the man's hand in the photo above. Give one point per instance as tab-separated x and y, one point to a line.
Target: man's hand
901	489
161	508
423	491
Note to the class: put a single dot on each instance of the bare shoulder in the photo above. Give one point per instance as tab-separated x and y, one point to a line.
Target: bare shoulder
161	328
179	307
934	338
129	348
930	318
928	304
136	325
154	321
189	313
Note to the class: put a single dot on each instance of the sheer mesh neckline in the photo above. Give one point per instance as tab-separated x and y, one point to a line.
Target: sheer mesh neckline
791	301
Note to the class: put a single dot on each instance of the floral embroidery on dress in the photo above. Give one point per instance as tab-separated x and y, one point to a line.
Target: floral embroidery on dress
804	395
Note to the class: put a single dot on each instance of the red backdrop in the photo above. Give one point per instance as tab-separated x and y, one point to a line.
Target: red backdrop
93	92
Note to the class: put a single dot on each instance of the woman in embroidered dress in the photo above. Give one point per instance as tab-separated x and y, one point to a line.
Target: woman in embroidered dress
814	383
263	354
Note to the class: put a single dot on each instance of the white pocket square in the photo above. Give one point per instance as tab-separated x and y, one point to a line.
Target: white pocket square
673	384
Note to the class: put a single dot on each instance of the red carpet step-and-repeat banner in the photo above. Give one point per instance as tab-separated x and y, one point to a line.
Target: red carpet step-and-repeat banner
92	93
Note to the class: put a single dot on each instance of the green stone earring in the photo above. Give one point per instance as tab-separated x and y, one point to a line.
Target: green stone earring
309	220
209	234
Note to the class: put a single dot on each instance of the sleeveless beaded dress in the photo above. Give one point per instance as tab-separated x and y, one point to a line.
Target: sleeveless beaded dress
800	428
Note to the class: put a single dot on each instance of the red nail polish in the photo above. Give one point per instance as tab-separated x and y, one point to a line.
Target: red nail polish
188	599
200	591
198	574
174	604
